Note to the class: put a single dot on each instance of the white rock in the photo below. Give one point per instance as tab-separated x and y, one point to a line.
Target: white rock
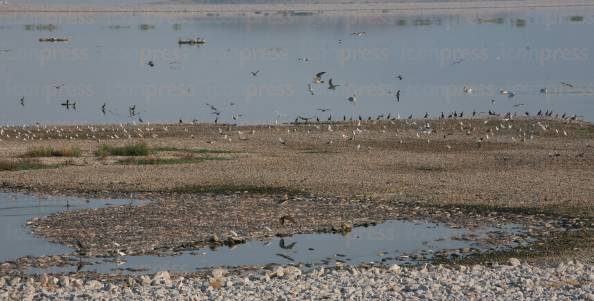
514	262
94	285
279	272
218	273
161	277
395	268
77	283
292	272
43	279
64	281
15	281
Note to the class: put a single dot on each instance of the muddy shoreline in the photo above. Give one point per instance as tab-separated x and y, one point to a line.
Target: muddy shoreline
324	178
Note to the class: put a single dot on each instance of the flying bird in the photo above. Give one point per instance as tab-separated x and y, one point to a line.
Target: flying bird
22	101
310	89
151	64
282	244
103	108
567	84
318	78
69	104
332	86
399	77
353	98
398	96
255	73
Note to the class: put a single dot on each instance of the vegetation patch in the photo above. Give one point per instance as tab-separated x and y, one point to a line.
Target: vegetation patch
130	150
165	161
191	150
28	164
52	152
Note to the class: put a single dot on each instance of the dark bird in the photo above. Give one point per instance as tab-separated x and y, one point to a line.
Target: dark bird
212	107
399	77
69	105
282	244
103	108
80	265
151	64
285	257
323	109
332	86
426	115
132	111
255	73
286	218
567	84
22	101
59	86
398	96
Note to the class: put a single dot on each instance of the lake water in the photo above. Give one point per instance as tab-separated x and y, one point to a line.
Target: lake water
16	209
385	242
106	61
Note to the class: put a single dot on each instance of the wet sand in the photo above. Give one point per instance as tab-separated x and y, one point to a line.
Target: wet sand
320	177
543	164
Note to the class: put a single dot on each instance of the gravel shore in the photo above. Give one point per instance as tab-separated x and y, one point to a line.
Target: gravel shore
512	280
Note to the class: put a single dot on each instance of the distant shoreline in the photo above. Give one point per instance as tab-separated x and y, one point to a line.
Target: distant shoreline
297	9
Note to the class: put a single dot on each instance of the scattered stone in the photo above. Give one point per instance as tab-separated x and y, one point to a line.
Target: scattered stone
514	262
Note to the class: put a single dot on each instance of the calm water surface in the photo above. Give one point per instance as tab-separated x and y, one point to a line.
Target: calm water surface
364	244
106	60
